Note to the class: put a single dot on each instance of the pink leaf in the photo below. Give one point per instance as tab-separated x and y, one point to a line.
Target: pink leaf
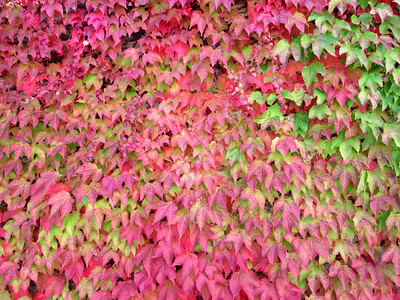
164	209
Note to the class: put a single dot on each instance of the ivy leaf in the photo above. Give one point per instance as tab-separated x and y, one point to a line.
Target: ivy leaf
393	254
125	290
344	272
371	80
247	51
352	54
60	202
282	50
233	155
53	285
88	169
164	209
324	42
188	261
254	198
321	96
44	183
396	75
19	187
305	41
227	4
301	122
9	271
315	277
258	97
275	112
90	191
319	112
92	80
197	19
383	10
243	280
238	238
69	222
341	4
396	161
346	147
149	190
309	73
380	202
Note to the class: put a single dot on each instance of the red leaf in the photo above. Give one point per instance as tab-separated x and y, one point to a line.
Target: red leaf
197	19
164	209
53	285
88	169
344	272
9	271
145	254
188	261
19	187
109	185
43	184
393	254
60	202
227	4
260	169
168	290
254	198
149	190
213	54
124	290
238	238
283	144
378	203
90	191
179	48
12	165
243	280
100	295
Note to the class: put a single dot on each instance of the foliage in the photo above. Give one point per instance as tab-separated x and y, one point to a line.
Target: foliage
218	149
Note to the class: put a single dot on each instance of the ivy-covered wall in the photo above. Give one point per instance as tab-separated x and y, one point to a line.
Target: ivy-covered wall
199	149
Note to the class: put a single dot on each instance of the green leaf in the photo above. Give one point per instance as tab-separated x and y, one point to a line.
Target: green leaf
69	222
321	96
396	161
370	79
319	111
233	155
127	62
90	80
264	67
396	75
305	41
364	3
258	97
345	148
271	113
382	217
301	122
271	99
324	42
309	73
352	54
321	20
392	58
282	50
334	3
275	111
247	51
338	141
